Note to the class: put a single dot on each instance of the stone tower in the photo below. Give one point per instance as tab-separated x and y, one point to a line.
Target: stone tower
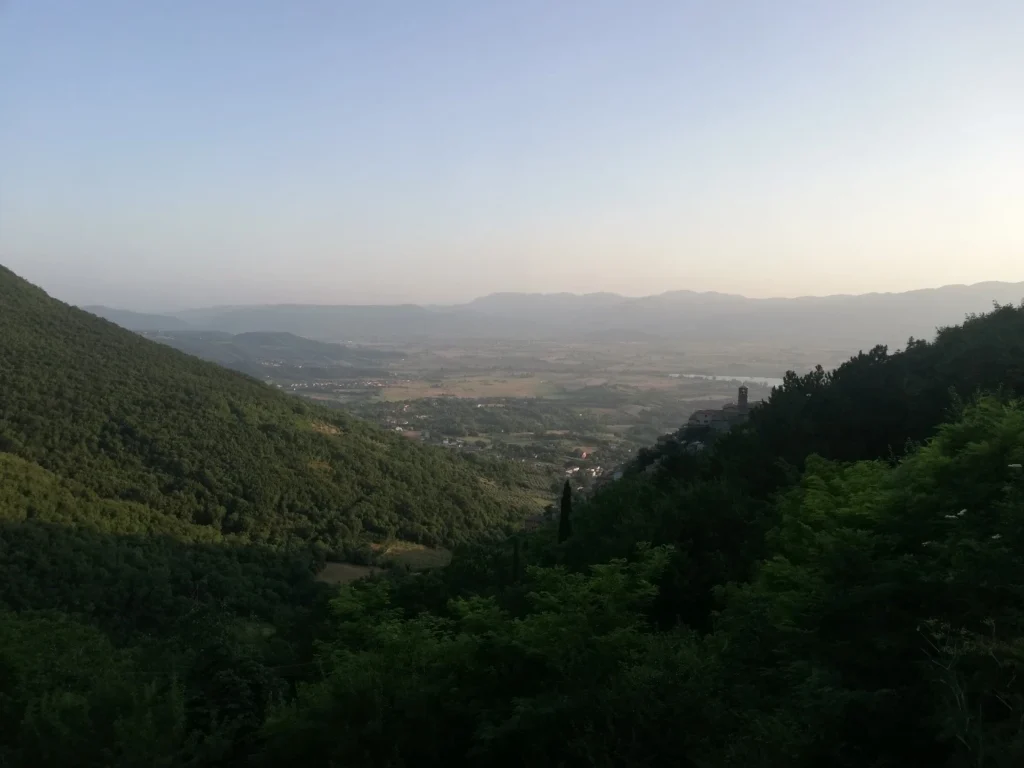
741	402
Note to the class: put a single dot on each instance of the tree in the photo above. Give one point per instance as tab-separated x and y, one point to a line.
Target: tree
565	519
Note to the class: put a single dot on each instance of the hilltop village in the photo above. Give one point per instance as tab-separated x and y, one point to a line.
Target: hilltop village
725	418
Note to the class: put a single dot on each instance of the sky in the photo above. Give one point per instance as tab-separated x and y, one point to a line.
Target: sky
173	153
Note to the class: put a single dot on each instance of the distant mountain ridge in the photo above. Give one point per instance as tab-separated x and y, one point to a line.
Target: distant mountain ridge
841	320
245	351
138	321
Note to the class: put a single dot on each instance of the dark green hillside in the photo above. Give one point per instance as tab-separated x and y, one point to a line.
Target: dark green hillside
882	626
861	609
717	505
132	420
126	566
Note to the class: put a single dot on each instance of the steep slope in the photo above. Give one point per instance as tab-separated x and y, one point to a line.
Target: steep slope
808	611
127	566
132	420
716	505
881	626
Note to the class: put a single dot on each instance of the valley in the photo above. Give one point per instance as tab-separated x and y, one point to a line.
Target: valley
506	385
555	409
296	551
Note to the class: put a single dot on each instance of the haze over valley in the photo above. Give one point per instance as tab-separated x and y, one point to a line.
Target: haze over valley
583	384
846	322
563	385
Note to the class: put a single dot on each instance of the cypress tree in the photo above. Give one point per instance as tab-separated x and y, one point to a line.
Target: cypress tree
515	560
565	519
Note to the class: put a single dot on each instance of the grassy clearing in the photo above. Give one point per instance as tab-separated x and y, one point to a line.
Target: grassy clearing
398	553
324	428
345	573
416	556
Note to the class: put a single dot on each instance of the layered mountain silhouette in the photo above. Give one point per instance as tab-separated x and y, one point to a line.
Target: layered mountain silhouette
847	321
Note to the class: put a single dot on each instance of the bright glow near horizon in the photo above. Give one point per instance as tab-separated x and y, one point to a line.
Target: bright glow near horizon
166	154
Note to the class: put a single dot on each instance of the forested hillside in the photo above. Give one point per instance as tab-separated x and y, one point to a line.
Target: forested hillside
161	520
838	582
128	419
880	626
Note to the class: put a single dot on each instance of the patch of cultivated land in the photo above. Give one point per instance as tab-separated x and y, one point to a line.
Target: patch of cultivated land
469	387
345	573
401	554
414	556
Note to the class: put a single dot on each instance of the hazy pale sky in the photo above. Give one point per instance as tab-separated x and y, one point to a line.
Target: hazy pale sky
168	153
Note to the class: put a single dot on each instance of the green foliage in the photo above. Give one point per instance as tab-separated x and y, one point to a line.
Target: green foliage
892	600
68	697
838	582
839	613
715	506
135	421
481	687
883	626
168	517
565	514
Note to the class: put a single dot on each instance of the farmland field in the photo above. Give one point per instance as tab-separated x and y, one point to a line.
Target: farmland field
469	387
537	407
345	573
414	556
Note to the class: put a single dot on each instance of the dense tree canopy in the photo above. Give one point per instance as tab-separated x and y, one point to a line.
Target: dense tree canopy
837	582
882	626
176	512
128	419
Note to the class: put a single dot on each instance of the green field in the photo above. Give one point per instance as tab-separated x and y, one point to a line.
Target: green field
345	573
415	557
